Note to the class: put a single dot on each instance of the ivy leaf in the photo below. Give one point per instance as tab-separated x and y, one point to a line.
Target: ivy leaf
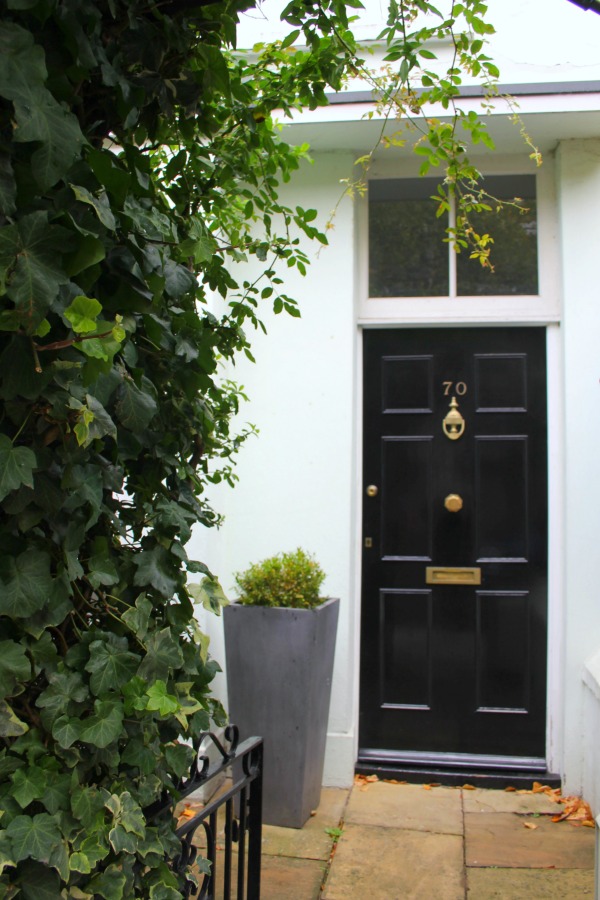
156	568
111	664
110	884
82	314
135	408
101	205
86	803
8	187
32	251
79	862
160	700
163	654
66	731
27	583
105	726
35	836
10	724
16	466
122	841
65	689
28	784
38	116
137	618
14	666
210	594
38	883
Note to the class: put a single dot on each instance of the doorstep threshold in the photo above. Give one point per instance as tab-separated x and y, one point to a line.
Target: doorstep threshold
456	769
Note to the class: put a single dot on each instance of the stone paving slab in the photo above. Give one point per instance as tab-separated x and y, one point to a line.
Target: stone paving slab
406	806
508	802
291	879
501	839
383	863
534	884
311	841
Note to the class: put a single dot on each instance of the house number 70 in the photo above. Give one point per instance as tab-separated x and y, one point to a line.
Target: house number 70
460	388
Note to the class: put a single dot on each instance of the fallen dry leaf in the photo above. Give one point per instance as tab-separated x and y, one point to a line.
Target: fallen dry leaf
510	790
469	787
530	825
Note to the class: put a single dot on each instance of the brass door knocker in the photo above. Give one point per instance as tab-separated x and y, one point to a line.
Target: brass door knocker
453	424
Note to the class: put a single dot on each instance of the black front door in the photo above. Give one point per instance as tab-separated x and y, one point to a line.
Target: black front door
453	634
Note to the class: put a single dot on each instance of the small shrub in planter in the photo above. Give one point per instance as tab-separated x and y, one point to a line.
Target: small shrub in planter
288	579
279	645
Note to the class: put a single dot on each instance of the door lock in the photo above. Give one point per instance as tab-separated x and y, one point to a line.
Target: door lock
372	490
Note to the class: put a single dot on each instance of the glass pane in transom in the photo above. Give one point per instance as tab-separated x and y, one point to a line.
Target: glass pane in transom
513	230
407	253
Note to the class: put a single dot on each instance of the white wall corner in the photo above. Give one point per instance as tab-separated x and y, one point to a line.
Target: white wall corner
340	759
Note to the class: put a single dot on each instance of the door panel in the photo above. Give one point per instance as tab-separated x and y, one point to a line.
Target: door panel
453	668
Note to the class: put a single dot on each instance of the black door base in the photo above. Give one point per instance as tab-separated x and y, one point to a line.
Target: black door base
454	770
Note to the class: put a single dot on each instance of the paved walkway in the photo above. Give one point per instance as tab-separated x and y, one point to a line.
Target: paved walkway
400	841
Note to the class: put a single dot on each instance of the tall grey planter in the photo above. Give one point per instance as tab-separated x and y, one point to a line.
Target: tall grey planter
279	670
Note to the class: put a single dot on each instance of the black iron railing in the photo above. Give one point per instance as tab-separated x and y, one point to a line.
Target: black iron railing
226	832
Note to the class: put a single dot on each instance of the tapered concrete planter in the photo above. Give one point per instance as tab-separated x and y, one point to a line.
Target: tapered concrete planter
279	669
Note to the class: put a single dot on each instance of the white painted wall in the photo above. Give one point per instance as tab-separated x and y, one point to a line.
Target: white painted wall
578	166
297	477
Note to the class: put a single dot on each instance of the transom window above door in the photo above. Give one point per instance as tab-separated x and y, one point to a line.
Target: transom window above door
408	256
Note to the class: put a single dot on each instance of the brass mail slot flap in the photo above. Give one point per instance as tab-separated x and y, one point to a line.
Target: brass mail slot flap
452	575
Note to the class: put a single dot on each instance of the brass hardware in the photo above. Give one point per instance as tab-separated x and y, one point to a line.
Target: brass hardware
368	543
453	503
372	490
452	575
453	424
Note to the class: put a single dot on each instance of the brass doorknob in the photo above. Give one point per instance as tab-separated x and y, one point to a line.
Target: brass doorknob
453	503
372	490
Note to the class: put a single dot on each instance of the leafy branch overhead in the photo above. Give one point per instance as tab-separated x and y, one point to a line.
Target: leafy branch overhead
139	166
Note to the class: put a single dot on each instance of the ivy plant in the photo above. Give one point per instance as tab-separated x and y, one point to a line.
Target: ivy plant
139	171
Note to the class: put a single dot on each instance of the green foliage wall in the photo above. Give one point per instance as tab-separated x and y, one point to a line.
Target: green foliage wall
137	159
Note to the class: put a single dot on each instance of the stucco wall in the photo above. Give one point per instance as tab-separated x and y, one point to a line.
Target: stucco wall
578	170
297	477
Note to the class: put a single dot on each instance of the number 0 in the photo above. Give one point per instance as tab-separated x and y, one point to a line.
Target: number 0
461	388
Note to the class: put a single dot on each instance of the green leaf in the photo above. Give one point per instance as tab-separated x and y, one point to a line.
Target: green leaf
100	204
138	618
14	666
28	784
111	664
156	569
110	884
82	314
38	116
16	466
10	724
66	731
79	862
163	654
135	408
122	841
8	187
39	883
32	251
35	837
105	725
26	583
86	803
210	594
64	690
159	699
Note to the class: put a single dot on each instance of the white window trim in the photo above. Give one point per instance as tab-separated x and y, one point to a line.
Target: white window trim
543	308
